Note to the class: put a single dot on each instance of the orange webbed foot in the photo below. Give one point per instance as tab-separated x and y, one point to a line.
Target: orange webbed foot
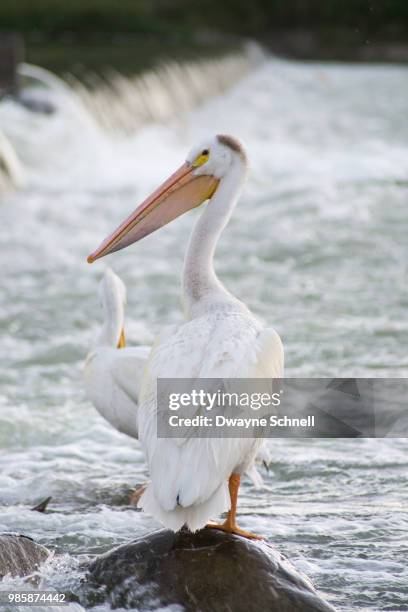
235	530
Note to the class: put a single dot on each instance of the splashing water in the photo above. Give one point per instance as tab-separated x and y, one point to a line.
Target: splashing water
317	248
122	104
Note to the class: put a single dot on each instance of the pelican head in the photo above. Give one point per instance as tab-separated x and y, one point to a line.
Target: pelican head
193	183
112	290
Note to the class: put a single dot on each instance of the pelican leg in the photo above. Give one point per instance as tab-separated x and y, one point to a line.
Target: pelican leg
230	525
137	494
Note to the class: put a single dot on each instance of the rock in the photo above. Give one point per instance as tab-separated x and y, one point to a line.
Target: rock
42	506
208	570
20	555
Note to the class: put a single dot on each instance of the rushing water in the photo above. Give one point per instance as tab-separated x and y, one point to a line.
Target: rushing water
317	248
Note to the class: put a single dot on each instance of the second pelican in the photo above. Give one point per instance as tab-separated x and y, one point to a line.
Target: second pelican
113	377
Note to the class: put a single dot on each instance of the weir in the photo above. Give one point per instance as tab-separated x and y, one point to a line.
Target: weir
122	104
116	104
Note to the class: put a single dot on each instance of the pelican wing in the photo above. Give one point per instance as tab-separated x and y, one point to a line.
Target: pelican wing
266	361
270	358
127	369
190	475
113	380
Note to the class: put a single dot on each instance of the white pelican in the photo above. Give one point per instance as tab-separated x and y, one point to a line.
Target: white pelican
113	377
191	477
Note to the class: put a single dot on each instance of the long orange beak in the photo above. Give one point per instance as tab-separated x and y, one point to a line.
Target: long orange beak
180	193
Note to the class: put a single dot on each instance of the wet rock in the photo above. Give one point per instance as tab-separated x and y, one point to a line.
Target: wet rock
209	570
20	555
42	506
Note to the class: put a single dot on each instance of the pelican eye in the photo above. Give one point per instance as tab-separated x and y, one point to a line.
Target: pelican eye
201	158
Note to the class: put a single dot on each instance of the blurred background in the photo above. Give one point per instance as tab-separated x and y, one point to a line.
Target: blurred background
99	102
132	34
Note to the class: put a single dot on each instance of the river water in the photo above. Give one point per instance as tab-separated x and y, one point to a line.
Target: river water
317	248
